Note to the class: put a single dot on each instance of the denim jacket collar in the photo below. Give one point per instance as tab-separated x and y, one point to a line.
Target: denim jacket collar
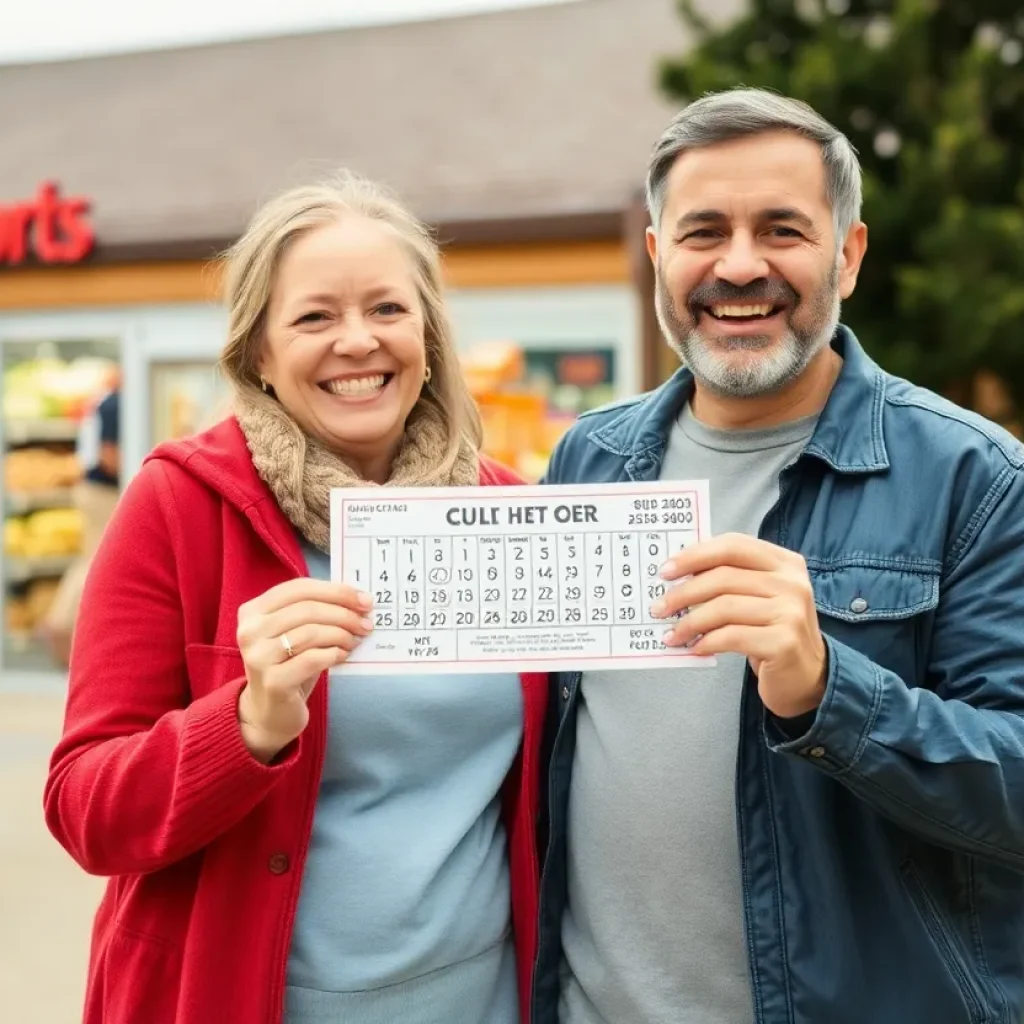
849	436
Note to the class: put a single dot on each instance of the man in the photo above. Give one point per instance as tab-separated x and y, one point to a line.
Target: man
828	826
99	454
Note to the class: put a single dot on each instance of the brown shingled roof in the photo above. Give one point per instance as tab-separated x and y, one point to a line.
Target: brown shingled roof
531	113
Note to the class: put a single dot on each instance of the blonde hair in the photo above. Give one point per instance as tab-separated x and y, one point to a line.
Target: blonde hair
252	264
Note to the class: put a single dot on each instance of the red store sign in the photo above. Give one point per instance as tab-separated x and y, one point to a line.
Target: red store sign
49	228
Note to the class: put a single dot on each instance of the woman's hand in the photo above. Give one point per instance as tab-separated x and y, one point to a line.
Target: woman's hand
287	637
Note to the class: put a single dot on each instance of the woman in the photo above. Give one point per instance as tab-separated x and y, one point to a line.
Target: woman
281	846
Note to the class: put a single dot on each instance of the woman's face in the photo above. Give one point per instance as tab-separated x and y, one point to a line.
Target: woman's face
344	343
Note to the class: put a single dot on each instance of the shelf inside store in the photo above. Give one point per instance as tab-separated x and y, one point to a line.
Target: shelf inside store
19	503
21	641
40	431
23	569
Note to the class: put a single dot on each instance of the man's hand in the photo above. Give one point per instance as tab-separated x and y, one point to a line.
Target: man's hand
749	597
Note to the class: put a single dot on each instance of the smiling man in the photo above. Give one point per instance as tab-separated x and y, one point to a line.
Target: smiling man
828	825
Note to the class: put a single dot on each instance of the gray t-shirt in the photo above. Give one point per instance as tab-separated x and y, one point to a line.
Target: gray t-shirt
653	931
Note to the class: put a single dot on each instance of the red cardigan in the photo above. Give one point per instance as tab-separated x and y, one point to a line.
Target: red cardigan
151	783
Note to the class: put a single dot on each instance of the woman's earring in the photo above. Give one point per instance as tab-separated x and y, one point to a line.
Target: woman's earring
427	375
263	384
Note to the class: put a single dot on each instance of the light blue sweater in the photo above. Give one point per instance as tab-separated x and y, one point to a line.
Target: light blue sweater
404	913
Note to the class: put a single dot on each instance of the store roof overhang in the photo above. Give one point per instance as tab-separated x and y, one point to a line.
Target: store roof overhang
595	225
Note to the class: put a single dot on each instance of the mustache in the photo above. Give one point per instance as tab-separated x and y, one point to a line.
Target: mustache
763	290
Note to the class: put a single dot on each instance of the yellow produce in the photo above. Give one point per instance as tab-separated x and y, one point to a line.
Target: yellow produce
14	537
45	534
55	531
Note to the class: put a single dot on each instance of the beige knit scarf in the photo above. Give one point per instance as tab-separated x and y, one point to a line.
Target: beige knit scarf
301	472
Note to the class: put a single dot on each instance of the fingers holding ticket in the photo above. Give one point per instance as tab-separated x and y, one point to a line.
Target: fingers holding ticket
533	577
287	637
738	594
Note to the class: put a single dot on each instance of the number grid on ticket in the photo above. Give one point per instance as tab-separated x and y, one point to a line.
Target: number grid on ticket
504	578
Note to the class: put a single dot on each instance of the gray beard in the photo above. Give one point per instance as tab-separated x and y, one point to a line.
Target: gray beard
778	365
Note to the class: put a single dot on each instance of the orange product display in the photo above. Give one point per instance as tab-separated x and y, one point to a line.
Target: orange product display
511	417
513	430
520	426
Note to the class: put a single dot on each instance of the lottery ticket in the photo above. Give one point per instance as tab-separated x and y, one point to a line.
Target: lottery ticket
530	578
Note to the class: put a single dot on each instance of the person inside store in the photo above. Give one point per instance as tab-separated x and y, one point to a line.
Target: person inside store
95	497
828	823
287	839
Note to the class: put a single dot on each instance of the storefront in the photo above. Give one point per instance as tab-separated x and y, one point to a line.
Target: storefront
108	244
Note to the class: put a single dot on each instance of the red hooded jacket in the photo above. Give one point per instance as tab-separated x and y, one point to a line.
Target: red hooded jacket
151	783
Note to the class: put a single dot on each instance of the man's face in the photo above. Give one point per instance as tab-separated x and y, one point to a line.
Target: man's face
749	275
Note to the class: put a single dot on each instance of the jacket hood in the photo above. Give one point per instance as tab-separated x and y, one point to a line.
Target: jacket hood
220	459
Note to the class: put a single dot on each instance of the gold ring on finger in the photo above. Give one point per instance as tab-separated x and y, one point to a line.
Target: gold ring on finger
287	645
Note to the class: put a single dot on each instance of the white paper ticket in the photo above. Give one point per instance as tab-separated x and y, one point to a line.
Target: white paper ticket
498	579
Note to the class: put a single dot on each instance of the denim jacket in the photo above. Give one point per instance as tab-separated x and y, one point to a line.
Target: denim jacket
882	850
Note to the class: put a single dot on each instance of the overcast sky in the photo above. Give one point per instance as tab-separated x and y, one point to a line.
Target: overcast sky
32	30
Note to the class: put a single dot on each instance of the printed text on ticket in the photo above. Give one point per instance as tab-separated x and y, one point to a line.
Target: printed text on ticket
559	578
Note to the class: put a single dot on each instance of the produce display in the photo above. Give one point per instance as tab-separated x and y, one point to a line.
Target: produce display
31	470
48	533
44	400
51	388
25	614
521	422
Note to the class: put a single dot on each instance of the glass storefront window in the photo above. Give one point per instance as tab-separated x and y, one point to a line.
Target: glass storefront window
186	399
529	395
49	389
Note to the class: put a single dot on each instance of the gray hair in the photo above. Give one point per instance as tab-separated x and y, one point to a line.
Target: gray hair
738	113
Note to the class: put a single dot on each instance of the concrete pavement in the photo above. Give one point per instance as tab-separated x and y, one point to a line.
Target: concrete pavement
46	900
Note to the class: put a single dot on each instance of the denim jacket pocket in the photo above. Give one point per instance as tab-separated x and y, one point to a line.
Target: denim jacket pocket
863	589
947	943
881	609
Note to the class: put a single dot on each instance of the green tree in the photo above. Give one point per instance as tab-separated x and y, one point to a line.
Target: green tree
931	93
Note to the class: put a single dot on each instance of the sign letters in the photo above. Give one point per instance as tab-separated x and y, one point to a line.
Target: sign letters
49	227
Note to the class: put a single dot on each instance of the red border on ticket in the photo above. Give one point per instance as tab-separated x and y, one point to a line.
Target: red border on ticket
663	660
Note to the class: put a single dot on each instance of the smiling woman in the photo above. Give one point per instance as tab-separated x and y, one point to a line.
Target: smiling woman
345	348
368	857
340	346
